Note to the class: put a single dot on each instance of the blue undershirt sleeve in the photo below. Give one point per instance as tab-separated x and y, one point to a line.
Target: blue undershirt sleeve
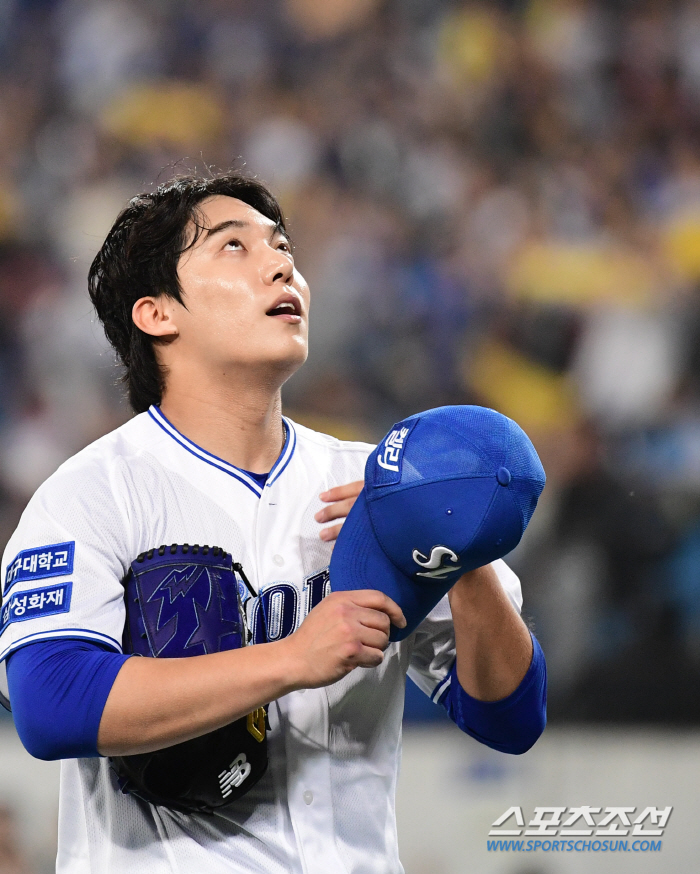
58	690
511	725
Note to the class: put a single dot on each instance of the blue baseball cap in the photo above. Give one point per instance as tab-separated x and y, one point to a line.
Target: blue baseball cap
446	491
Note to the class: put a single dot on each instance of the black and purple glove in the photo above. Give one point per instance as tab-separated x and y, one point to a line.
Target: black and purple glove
185	601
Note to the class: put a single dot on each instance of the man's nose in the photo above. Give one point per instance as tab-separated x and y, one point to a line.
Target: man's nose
279	268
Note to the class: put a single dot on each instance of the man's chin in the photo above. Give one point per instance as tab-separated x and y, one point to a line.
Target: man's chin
292	365
287	363
274	362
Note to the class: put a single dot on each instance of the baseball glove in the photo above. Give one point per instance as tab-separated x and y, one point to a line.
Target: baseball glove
184	601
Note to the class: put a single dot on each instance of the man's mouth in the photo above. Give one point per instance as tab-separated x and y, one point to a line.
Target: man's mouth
287	308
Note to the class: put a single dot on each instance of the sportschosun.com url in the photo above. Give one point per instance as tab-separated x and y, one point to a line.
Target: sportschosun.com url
578	846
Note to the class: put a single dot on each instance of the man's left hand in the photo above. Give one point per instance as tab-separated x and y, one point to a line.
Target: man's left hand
340	500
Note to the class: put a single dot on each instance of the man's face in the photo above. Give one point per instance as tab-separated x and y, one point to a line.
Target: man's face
244	303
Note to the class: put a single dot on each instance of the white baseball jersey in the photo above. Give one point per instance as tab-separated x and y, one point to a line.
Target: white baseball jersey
326	803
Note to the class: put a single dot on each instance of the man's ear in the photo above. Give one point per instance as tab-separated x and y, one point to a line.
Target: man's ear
154	316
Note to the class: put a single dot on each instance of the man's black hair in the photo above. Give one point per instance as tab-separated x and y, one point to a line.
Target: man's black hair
139	259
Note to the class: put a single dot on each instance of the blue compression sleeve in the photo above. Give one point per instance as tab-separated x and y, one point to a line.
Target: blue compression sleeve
58	690
511	725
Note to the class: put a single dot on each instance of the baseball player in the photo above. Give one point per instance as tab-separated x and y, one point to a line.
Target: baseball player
198	293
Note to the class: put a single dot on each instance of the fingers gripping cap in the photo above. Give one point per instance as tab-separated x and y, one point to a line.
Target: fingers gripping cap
446	491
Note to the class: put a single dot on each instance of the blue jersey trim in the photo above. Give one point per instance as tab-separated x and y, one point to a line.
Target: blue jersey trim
260	478
253	487
157	415
441	689
76	633
237	473
290	444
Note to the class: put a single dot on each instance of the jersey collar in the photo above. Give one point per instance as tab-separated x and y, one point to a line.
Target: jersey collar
290	442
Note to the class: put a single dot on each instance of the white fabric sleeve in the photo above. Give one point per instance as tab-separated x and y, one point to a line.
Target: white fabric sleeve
63	566
433	651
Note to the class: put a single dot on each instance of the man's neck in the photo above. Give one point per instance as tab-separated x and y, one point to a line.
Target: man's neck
241	424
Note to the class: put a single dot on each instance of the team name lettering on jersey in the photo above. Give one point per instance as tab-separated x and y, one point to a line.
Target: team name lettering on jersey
279	610
55	560
36	603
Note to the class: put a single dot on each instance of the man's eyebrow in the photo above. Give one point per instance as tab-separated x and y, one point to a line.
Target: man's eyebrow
239	223
224	226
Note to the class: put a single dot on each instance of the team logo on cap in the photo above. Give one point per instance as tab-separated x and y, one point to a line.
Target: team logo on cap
434	565
392	450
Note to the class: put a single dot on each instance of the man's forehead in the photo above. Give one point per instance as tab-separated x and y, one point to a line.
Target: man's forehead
220	208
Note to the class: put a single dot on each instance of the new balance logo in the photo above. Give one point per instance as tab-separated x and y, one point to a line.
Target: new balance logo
392	450
434	566
234	775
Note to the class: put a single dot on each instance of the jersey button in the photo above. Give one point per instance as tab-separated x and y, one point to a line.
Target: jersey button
308	796
278	560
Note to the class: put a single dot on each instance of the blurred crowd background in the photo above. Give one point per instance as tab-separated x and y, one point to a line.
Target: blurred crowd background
493	203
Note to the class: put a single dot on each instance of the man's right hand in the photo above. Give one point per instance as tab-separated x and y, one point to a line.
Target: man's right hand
347	630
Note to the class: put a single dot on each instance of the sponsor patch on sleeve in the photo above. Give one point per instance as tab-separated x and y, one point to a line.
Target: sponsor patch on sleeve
55	560
36	603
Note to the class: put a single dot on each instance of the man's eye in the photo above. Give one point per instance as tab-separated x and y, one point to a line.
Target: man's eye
233	244
285	247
